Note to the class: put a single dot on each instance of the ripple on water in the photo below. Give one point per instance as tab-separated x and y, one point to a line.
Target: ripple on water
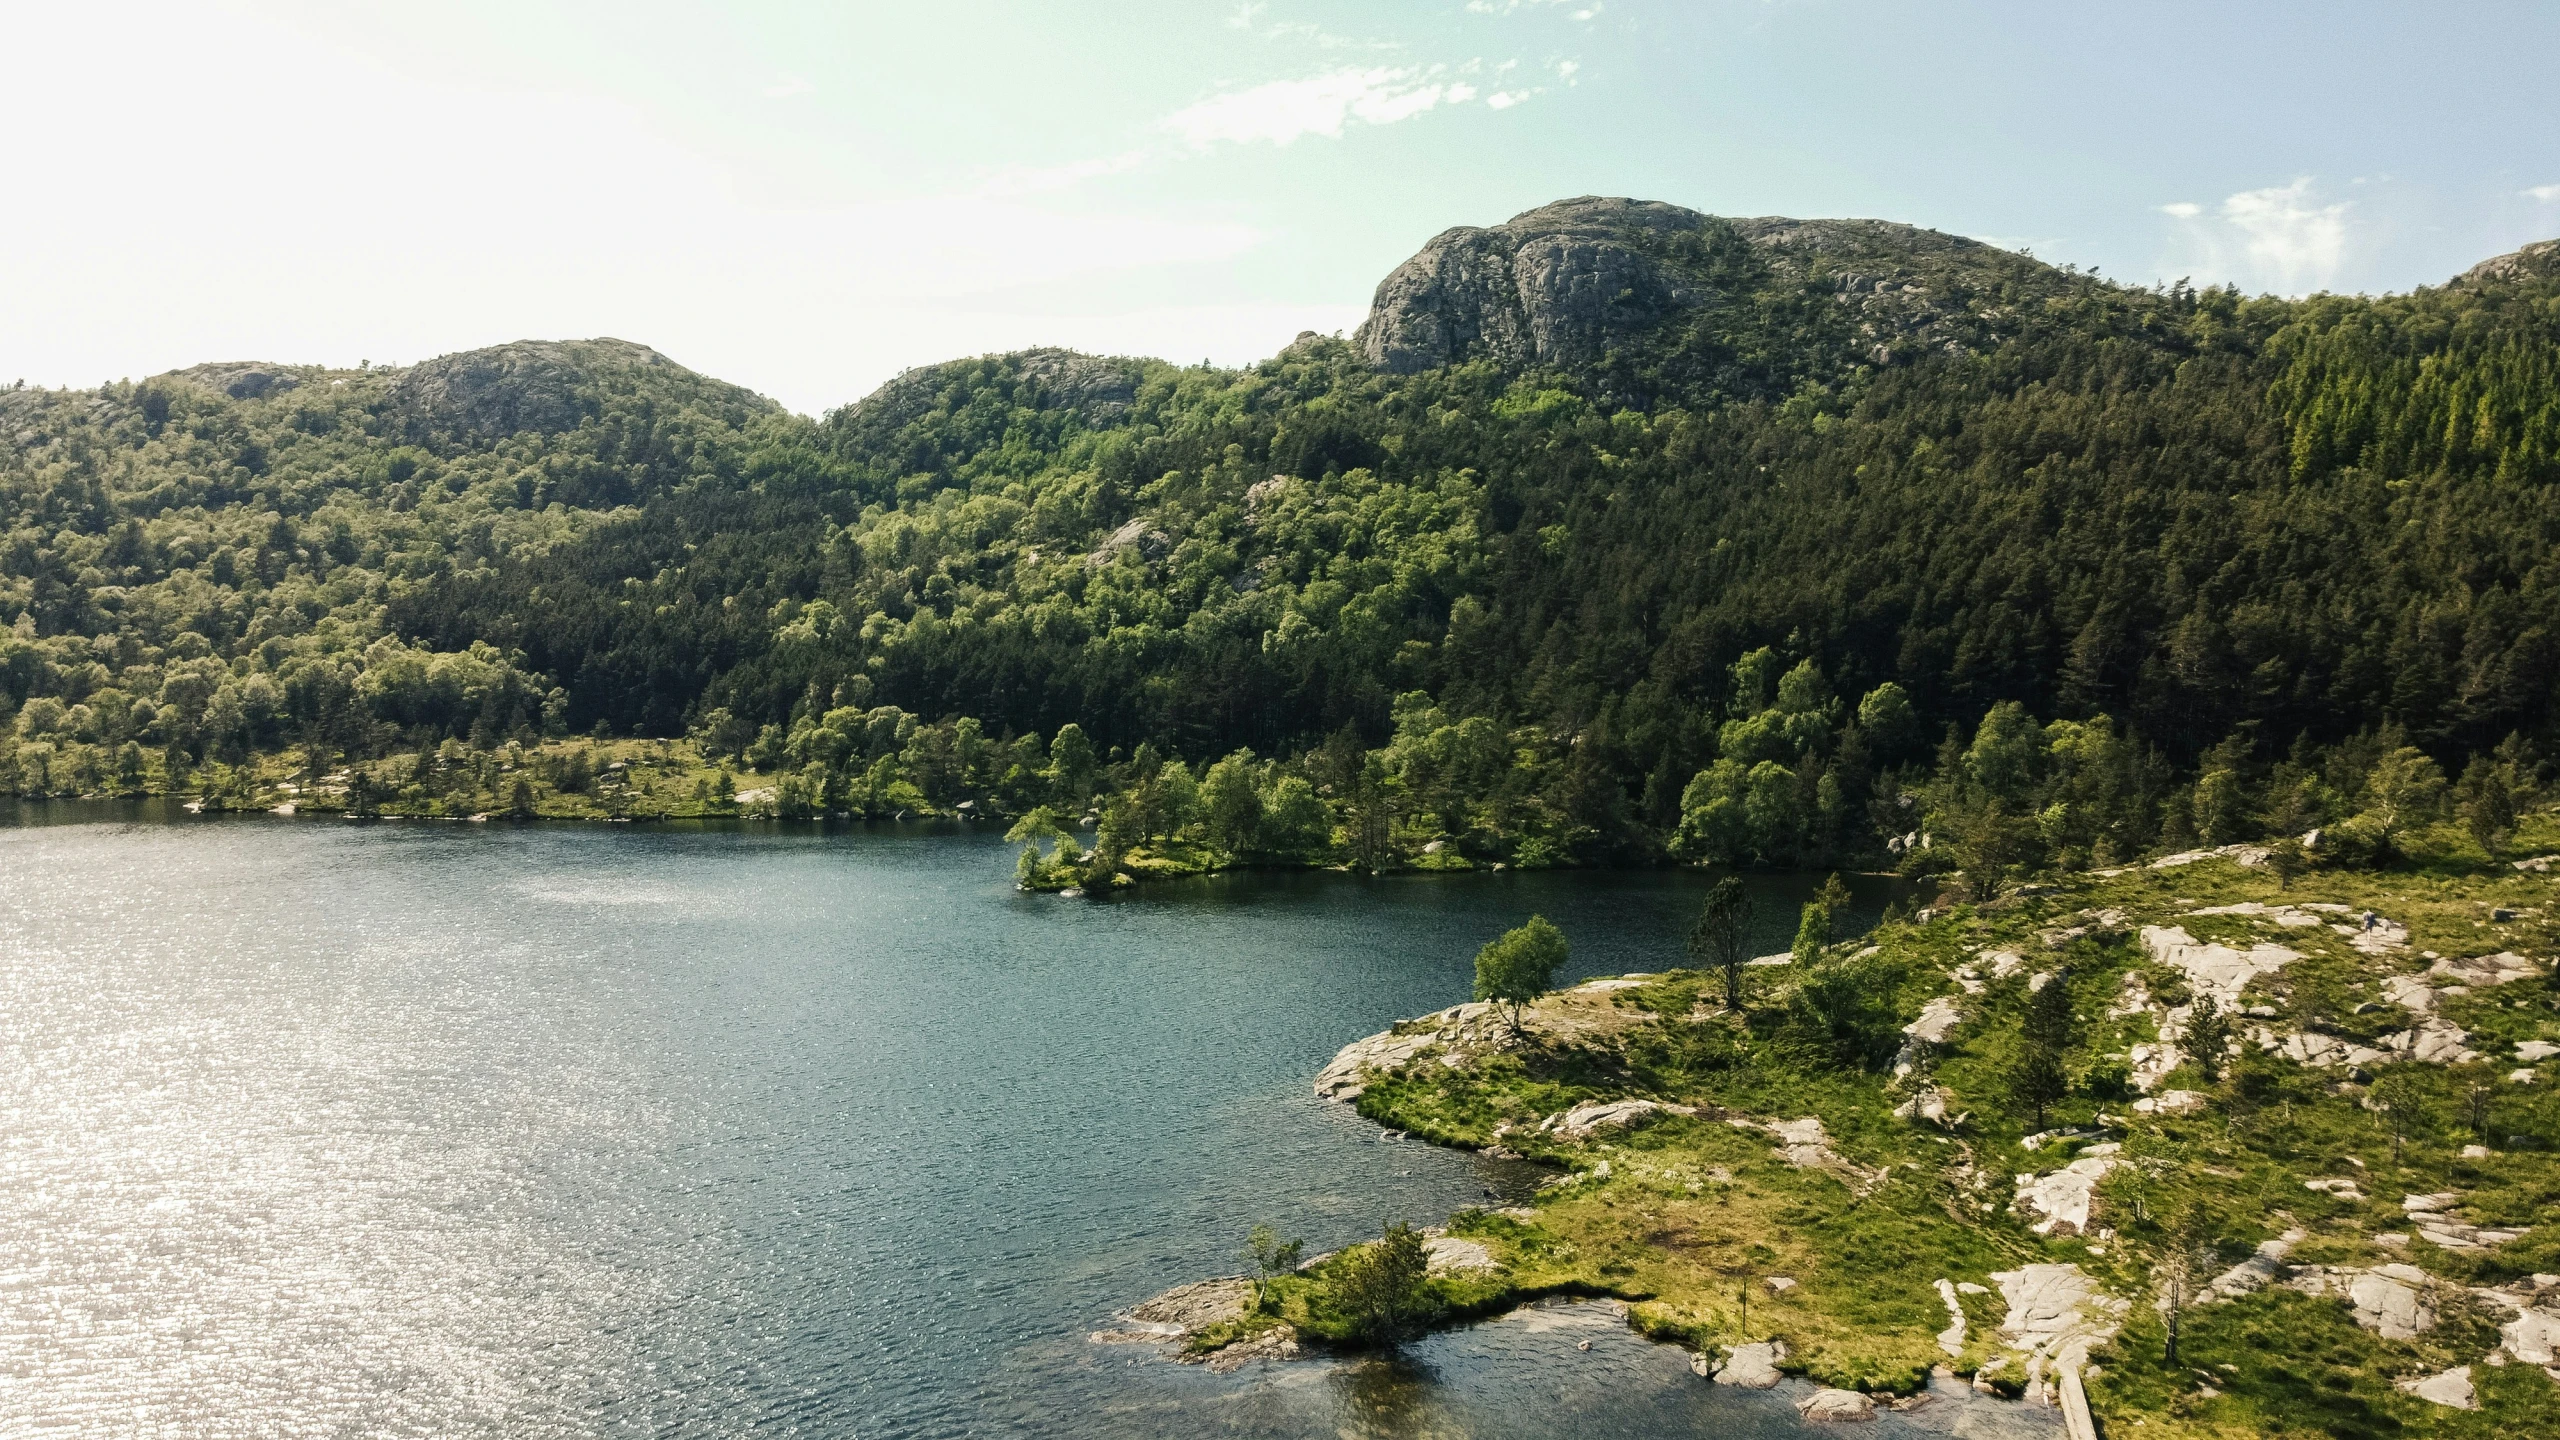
317	1129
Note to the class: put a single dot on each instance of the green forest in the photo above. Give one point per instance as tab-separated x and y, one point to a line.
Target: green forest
2099	572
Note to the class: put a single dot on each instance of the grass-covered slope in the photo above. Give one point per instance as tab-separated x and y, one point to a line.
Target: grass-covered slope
2280	1193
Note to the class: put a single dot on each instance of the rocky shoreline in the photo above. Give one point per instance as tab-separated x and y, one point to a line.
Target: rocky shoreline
1747	1234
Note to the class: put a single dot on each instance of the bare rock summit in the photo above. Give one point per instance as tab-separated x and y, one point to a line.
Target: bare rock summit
1565	284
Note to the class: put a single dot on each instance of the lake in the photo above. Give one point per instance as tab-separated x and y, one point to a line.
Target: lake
319	1128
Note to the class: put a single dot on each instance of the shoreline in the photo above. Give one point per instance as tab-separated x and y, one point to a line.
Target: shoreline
1779	1207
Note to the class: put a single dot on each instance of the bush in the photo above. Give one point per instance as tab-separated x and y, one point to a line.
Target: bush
1380	1292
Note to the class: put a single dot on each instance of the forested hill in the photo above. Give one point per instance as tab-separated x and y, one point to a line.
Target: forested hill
1617	528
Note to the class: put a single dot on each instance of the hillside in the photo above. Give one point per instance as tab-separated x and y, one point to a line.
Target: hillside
1618	531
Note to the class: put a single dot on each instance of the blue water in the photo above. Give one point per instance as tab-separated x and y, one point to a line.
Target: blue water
319	1128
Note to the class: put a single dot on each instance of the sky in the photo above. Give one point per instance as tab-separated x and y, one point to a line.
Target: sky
807	198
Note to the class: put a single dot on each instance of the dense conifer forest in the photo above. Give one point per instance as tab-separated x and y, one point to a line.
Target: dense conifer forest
2049	570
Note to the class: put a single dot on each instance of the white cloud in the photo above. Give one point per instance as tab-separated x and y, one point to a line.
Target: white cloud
2299	242
1284	111
1046	179
1507	7
2545	193
788	86
2282	238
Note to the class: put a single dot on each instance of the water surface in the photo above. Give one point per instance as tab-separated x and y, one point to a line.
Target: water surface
319	1128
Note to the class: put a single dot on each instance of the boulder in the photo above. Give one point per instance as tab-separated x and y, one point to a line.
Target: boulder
2390	1300
2481	971
2533	1336
2222	971
2065	1197
1753	1367
1803	1142
1593	1116
1951	1339
2256	1272
1836	1406
2174	1102
2451	1388
2434	1040
1448	1255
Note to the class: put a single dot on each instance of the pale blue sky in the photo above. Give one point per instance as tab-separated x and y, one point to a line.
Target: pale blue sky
808	197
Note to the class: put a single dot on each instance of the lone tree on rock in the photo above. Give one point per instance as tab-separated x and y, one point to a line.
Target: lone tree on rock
1520	966
1722	933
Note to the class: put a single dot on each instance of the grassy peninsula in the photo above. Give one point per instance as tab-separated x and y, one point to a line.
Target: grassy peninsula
2325	1148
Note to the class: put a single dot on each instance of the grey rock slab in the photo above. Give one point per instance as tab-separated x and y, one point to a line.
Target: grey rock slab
2450	1388
1753	1367
1836	1407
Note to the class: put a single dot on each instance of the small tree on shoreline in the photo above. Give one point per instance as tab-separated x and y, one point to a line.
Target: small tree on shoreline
1272	1258
1520	966
1721	934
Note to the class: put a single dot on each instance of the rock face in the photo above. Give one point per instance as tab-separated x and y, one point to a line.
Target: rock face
1097	388
1195	1307
1459	1030
1803	1142
1563	284
2542	257
2056	1313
